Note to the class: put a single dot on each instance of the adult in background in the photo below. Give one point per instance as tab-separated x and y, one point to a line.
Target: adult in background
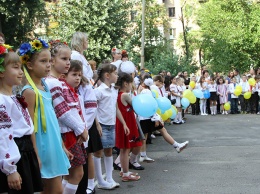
237	75
79	43
228	80
2	38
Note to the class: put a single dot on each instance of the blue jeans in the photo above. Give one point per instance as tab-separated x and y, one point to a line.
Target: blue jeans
108	136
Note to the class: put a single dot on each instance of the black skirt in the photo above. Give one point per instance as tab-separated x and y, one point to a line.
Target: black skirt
94	142
213	96
27	167
148	126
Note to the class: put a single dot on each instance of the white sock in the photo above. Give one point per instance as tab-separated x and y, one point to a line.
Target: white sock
64	182
98	172
179	116
143	154
126	174
70	189
117	161
201	107
204	107
175	144
211	110
91	184
109	168
214	110
133	158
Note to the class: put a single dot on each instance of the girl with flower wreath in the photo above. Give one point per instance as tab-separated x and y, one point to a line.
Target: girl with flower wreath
20	171
54	161
68	111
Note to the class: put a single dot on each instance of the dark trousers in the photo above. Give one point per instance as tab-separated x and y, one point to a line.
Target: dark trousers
83	185
256	102
244	103
208	106
234	105
197	106
218	106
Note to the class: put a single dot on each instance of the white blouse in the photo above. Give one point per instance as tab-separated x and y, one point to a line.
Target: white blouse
87	71
106	101
15	122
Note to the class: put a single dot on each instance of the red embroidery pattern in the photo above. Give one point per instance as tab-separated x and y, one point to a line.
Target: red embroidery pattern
26	116
5	120
12	163
90	104
10	137
7	155
58	92
61	108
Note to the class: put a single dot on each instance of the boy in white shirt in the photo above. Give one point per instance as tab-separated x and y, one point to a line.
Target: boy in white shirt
245	88
234	98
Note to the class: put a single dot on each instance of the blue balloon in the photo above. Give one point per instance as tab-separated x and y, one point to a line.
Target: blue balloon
164	103
198	93
206	94
144	105
185	102
174	113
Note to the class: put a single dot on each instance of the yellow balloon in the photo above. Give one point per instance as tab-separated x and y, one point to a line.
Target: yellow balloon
239	88
187	93
247	95
175	108
169	112
192	99
155	93
251	81
164	116
227	106
237	92
192	84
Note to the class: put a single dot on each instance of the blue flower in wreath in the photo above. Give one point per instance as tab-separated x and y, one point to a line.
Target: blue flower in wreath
44	44
25	48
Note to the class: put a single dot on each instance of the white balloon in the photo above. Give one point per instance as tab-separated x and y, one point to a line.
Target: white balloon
128	67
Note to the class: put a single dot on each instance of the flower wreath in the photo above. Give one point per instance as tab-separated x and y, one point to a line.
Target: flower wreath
114	49
29	48
4	48
124	52
57	41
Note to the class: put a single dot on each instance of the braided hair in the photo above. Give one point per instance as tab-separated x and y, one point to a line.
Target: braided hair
123	77
56	45
102	69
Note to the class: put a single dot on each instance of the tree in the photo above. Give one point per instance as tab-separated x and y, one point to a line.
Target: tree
105	22
19	19
229	34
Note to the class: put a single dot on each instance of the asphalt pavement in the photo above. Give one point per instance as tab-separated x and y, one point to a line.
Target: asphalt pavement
223	157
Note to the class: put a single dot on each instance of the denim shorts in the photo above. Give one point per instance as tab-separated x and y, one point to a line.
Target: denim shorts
108	136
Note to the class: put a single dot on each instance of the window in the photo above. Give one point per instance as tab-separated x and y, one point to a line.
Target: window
133	15
172	33
171	11
163	1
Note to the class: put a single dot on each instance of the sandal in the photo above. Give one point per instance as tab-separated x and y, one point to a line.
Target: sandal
133	173
131	177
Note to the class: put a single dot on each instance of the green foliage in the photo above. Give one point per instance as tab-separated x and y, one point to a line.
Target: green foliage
19	19
229	34
105	22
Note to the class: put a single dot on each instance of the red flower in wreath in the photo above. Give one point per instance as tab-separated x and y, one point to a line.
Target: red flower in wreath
2	49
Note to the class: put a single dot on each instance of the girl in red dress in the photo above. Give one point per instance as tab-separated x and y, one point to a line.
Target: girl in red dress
126	141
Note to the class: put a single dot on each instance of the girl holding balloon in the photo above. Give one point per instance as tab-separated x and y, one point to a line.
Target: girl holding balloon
176	92
202	85
149	124
222	91
245	88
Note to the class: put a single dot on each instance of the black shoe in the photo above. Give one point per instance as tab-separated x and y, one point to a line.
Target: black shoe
149	141
131	166
116	166
232	113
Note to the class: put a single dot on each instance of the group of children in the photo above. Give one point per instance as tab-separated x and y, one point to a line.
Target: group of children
55	131
221	91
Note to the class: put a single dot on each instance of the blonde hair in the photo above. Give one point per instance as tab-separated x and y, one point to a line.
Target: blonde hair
77	41
11	57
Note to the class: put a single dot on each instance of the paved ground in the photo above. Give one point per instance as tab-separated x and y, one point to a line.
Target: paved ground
223	157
